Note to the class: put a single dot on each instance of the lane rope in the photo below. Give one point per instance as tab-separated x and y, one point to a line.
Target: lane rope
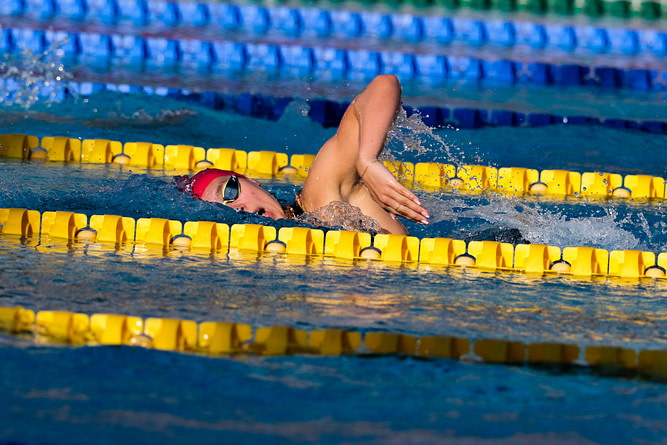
512	181
565	34
229	338
65	231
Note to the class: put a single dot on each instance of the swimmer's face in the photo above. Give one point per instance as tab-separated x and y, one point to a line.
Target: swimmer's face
251	197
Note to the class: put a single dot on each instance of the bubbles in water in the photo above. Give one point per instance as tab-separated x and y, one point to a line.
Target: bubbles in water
30	78
302	106
411	135
643	223
340	215
540	225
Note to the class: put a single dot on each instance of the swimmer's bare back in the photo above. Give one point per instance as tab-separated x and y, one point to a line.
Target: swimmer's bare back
347	168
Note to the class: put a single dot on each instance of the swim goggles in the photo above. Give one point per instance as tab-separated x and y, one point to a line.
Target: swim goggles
231	190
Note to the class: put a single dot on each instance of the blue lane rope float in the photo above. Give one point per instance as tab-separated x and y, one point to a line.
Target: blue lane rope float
431	62
229	338
294	21
172	13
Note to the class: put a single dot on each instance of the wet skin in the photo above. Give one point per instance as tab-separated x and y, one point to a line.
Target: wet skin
253	198
346	168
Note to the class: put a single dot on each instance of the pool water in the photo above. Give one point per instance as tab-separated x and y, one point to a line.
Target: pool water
136	395
55	393
107	394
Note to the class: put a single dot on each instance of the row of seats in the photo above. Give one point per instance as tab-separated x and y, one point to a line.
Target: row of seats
234	338
400	27
341	61
430	176
144	234
197	13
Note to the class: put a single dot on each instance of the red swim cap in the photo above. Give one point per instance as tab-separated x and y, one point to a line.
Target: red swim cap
201	180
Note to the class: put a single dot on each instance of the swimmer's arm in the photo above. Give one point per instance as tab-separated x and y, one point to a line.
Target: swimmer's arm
375	110
335	175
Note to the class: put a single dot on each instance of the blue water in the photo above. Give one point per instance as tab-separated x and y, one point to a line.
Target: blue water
165	120
124	394
54	393
108	394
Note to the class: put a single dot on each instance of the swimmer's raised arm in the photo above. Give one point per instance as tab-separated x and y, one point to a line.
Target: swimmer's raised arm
347	169
375	109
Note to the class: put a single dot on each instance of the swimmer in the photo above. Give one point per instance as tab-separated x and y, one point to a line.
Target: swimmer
346	169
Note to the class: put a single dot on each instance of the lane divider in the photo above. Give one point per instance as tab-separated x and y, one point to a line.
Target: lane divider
430	176
445	27
58	230
178	13
338	59
225	338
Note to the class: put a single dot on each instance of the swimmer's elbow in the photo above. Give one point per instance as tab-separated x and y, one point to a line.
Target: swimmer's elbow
383	91
389	81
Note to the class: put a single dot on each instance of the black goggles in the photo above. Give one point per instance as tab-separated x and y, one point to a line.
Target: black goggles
231	190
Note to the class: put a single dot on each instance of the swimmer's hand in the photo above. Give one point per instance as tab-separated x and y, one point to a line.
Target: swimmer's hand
391	195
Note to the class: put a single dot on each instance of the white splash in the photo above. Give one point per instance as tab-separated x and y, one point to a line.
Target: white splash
410	134
29	77
539	225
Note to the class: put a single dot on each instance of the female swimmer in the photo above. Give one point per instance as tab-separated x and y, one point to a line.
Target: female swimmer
346	169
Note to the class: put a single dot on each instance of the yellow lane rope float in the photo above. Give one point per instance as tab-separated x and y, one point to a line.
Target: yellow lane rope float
123	234
430	176
224	338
